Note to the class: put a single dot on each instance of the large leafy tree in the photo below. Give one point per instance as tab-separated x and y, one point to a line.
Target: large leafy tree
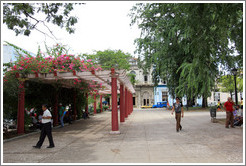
25	17
186	43
110	59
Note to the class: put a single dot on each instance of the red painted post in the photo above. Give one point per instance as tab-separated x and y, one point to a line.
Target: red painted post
56	110
95	104
129	103
86	103
74	105
101	102
21	108
115	125
126	103
122	103
132	103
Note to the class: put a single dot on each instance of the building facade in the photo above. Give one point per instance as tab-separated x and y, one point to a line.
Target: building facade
10	54
144	86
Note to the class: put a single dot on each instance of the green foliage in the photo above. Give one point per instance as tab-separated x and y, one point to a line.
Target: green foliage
38	92
185	43
110	59
57	61
90	100
227	84
132	78
105	107
10	97
98	110
98	105
23	17
28	121
56	50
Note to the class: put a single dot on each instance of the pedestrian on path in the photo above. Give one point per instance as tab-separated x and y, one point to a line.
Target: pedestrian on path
241	103
178	108
61	114
168	106
219	105
46	129
228	106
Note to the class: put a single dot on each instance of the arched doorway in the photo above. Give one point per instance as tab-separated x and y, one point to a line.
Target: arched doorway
146	98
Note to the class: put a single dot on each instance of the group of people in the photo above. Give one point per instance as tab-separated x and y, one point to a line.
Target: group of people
234	113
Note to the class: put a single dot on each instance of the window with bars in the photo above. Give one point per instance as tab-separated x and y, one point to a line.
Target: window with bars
164	96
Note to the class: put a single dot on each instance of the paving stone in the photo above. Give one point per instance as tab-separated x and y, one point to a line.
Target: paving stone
146	136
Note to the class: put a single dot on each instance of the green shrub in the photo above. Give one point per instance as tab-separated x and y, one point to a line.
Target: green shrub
98	110
105	107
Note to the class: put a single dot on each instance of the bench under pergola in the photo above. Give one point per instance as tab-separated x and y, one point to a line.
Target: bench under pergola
113	81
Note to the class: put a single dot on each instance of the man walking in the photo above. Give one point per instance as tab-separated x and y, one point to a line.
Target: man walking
46	129
178	108
228	106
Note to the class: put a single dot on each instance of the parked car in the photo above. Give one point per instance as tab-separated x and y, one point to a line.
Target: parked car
146	106
160	104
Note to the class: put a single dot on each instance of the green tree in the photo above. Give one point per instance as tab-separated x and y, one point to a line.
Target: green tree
110	59
227	84
185	43
23	17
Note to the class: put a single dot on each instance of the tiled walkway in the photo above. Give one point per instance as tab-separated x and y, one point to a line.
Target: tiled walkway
147	136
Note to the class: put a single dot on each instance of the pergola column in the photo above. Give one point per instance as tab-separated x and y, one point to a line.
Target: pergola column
129	102
115	125
56	110
86	103
101	102
122	103
21	108
95	104
74	104
126	103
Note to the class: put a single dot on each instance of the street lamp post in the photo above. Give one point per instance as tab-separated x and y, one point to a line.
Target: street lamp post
234	72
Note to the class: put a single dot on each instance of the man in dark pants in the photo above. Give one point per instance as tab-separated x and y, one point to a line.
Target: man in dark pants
178	108
228	106
46	129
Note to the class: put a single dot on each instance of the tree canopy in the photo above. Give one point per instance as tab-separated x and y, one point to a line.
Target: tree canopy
187	43
22	17
227	84
110	59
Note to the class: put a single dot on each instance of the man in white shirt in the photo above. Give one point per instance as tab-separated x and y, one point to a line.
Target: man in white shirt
46	129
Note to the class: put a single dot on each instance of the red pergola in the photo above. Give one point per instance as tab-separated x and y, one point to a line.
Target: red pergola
113	81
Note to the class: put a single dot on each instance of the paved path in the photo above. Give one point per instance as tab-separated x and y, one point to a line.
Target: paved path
147	136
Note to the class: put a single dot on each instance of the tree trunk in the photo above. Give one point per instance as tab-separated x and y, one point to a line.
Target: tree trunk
190	102
204	102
